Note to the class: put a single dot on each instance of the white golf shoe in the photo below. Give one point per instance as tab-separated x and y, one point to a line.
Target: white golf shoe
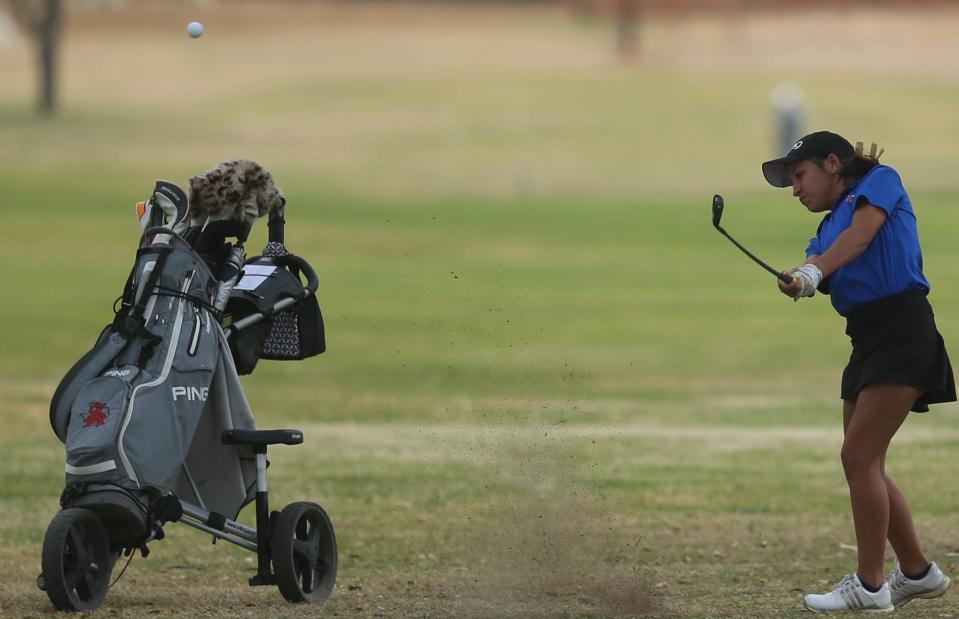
903	589
850	595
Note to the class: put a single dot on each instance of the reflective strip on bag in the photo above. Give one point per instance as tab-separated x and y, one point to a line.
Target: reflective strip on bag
92	469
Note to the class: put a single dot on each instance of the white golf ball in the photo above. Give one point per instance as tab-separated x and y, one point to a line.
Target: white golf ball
195	29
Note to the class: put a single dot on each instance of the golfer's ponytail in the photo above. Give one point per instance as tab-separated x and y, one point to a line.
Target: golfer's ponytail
860	163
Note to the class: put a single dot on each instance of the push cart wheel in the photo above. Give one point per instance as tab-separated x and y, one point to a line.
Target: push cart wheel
76	561
304	553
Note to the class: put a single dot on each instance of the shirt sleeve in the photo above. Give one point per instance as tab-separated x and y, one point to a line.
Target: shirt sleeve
815	245
882	187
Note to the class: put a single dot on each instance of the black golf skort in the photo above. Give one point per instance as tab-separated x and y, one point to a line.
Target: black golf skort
895	340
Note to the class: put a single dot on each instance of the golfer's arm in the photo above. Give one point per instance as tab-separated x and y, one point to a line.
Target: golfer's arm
866	222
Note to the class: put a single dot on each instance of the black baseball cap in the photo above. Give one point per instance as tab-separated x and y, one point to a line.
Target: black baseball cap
820	145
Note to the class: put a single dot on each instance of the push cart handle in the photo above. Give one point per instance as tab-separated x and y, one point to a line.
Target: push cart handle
312	281
275	226
256	317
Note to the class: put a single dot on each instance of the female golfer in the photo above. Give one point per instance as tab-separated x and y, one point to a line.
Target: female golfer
866	257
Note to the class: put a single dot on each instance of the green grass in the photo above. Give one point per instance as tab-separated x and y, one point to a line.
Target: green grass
551	388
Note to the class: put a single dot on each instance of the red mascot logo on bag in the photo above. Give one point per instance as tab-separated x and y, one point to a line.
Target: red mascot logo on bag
96	415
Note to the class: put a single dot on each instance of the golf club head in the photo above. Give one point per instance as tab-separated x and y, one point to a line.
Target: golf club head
717	209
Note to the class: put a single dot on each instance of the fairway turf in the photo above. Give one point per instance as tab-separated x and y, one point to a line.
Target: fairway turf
551	389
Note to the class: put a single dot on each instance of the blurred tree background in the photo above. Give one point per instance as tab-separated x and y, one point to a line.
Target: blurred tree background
42	20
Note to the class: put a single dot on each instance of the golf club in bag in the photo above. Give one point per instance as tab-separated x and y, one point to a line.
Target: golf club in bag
155	423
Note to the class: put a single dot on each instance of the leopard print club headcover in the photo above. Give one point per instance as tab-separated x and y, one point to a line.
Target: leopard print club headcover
236	189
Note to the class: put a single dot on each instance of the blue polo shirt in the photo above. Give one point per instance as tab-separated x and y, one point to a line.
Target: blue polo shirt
892	262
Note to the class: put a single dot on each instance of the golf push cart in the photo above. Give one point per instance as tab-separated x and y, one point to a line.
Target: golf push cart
155	423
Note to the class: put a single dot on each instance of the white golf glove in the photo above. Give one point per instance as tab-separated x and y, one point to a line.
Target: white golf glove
809	276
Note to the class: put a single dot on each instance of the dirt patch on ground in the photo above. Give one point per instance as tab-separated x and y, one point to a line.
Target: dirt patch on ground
546	544
549	546
545	559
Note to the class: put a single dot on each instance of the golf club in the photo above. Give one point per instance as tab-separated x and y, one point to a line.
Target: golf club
718	215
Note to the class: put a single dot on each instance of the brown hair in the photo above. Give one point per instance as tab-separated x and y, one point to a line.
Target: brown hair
856	167
860	163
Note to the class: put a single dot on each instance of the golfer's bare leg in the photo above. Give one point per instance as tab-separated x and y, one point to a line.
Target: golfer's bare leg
902	533
879	411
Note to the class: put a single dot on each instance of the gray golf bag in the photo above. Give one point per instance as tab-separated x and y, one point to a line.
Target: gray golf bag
157	428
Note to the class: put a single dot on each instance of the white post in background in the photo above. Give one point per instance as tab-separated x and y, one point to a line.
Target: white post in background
790	116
